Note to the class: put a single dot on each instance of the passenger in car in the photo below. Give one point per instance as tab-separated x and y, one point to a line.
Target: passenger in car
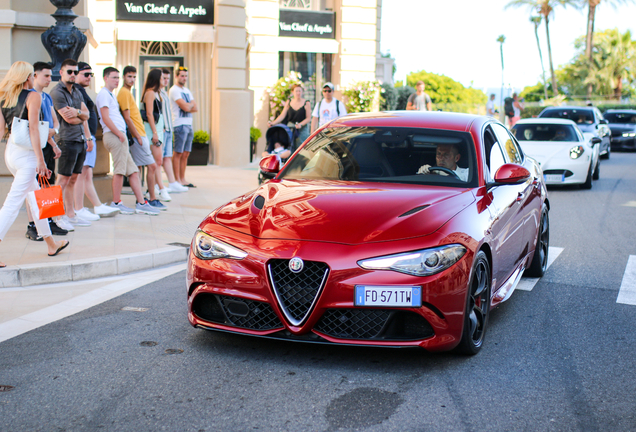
446	156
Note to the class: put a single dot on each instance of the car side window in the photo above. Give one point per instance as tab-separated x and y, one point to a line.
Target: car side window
507	143
494	156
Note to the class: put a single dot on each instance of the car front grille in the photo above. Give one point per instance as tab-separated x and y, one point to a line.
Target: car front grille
374	324
297	292
565	173
236	312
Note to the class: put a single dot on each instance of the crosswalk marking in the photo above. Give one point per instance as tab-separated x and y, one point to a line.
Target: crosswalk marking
627	291
527	284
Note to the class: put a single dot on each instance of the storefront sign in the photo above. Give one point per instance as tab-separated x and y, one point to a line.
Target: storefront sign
184	11
299	23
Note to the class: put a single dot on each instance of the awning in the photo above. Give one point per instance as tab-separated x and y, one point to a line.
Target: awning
308	45
164	32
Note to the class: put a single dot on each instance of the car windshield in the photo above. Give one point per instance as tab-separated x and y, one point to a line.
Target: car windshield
544	132
580	116
387	154
621	117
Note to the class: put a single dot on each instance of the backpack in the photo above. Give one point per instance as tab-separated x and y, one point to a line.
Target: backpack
508	108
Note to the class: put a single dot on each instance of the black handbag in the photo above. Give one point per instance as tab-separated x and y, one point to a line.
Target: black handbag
156	112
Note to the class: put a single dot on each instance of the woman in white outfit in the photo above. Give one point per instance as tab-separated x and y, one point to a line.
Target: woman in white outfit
24	164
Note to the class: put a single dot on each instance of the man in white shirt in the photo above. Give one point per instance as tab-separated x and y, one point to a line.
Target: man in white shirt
329	108
183	105
446	156
116	143
490	106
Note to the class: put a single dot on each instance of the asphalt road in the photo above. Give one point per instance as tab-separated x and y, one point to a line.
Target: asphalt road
558	358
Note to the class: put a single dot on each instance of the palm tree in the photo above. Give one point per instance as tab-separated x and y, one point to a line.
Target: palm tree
614	60
536	20
591	16
501	39
545	8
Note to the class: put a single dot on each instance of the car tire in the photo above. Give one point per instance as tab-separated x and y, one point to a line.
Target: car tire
607	154
597	171
539	263
588	179
477	308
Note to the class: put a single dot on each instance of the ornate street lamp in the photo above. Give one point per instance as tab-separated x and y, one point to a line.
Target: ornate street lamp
63	40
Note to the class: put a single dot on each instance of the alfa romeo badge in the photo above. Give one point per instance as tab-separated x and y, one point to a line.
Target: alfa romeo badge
296	265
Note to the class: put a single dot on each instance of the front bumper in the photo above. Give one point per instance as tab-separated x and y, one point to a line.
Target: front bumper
237	296
572	171
623	143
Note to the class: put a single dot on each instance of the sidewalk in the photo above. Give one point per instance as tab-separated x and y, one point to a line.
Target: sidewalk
123	244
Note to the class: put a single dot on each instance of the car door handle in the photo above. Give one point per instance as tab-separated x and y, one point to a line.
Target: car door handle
520	196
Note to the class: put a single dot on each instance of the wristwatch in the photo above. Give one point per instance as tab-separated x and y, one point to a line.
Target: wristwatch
57	131
79	112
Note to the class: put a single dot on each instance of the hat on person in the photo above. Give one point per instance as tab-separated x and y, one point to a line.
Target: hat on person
83	66
328	85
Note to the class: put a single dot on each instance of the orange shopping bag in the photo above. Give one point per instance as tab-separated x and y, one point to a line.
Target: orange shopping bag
46	202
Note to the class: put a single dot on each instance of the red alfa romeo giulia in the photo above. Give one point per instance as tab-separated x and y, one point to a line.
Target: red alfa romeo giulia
397	229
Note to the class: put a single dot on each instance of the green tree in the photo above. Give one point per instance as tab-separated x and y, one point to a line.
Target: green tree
443	89
545	8
613	61
591	17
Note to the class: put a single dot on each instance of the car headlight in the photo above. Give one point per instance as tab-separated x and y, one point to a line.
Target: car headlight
626	134
207	247
424	262
576	152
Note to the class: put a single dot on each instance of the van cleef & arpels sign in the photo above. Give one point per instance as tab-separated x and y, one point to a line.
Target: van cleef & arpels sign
183	11
308	24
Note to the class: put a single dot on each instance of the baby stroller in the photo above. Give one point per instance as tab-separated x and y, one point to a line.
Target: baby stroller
278	133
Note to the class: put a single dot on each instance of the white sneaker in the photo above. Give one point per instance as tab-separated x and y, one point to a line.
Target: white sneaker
164	195
78	221
146	208
86	214
122	208
105	211
64	223
176	188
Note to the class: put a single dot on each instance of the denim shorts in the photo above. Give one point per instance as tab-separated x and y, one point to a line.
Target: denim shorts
72	159
183	136
167	144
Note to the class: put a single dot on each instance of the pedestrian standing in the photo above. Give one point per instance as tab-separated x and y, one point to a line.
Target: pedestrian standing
116	143
71	113
490	106
140	149
173	185
151	101
328	109
518	106
17	101
84	184
419	101
183	105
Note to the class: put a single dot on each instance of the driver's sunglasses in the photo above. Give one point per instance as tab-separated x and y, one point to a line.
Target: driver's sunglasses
72	72
88	74
326	90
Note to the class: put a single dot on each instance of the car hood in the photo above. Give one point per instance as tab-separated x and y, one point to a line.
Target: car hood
543	151
342	212
622	127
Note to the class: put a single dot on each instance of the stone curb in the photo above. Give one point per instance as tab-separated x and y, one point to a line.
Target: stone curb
39	274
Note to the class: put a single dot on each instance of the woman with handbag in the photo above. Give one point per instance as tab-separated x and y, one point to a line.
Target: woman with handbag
19	104
153	122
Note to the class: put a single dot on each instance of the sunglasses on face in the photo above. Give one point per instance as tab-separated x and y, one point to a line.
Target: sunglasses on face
88	74
327	90
72	72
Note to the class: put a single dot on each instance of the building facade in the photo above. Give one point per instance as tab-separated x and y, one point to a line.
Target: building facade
234	51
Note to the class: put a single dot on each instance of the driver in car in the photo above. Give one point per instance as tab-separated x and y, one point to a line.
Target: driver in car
447	156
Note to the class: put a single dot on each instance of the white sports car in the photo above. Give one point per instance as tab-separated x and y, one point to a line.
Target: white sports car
566	155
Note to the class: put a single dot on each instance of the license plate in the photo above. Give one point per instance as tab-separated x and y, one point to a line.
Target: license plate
558	178
388	296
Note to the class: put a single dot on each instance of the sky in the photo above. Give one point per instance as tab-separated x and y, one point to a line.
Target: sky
458	38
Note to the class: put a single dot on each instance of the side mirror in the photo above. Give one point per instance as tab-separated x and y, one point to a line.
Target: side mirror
604	121
596	140
270	164
511	174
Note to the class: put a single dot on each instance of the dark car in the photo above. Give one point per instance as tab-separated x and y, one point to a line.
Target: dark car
623	126
588	119
399	229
